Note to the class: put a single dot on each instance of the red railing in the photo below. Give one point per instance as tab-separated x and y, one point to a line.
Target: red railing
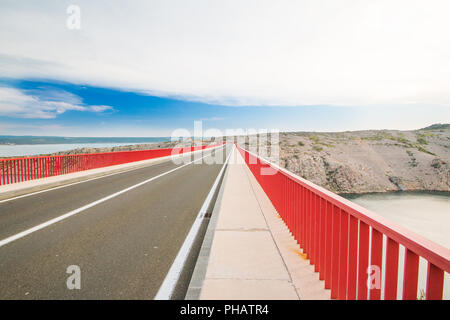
15	170
342	239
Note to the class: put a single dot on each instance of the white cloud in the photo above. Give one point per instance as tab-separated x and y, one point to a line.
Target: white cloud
238	52
212	119
100	108
41	104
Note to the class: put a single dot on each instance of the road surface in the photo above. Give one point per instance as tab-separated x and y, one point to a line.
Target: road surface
124	246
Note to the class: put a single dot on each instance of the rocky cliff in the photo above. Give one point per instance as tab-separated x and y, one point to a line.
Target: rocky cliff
370	161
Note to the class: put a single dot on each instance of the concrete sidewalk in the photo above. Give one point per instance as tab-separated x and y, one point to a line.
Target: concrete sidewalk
251	253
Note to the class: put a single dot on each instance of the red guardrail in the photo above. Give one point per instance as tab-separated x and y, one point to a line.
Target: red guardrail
30	168
341	237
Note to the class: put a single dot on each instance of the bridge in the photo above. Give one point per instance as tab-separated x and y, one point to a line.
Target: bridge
140	225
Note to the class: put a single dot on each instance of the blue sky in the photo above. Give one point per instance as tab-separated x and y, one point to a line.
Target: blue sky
135	114
145	68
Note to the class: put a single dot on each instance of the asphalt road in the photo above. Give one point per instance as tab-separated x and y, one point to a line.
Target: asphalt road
123	246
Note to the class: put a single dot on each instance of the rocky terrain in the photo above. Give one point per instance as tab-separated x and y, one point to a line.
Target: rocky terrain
372	160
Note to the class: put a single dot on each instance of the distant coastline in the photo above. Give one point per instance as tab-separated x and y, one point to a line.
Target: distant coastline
23	150
20	146
33	140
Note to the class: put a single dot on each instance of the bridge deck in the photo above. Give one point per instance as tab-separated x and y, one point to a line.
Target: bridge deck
253	255
123	231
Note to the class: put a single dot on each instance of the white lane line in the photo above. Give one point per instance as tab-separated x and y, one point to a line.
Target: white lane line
167	288
168	158
90	205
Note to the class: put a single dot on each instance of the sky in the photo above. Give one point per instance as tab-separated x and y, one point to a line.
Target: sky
145	68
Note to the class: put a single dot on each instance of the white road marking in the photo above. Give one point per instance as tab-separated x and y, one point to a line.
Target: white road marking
167	288
104	176
90	205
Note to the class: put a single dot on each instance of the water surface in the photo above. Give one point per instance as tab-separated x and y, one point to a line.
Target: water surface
21	150
425	213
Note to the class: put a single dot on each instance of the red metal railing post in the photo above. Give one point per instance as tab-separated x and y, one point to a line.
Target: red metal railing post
21	170
435	282
322	245
3	171
343	255
304	191
390	287
8	169
308	223
289	205
410	276
15	170
376	259
297	212
32	169
335	253
352	258
329	244
363	264
316	232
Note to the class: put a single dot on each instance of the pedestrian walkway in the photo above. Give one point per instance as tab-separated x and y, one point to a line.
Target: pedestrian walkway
251	253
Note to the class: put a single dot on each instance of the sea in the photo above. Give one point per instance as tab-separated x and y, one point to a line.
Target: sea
20	150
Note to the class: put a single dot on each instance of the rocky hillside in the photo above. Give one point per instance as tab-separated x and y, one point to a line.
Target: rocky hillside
371	161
